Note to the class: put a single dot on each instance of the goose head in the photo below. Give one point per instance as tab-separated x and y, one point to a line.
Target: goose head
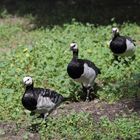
115	31
73	46
27	81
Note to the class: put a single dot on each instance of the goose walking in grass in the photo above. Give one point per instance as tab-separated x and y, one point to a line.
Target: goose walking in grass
82	71
40	100
121	45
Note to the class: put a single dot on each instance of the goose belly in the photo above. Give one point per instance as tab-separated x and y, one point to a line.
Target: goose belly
130	49
44	104
88	76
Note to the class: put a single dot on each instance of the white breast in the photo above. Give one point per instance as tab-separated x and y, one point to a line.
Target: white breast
88	77
44	104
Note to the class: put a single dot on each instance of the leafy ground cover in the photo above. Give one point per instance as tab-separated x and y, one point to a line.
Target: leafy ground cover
43	53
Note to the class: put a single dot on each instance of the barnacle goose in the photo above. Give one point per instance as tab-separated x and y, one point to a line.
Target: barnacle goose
121	45
82	71
40	100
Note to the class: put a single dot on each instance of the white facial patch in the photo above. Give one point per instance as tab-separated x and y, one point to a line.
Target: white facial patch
27	81
115	30
73	46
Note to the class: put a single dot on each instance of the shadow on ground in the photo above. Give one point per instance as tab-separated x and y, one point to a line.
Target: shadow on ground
58	12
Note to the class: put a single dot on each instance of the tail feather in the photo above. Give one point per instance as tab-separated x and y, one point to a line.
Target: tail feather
99	71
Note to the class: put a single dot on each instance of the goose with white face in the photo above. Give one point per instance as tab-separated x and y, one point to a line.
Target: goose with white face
115	31
40	100
121	45
73	46
27	81
82	70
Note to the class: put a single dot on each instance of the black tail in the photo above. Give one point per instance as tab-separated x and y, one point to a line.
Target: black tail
98	70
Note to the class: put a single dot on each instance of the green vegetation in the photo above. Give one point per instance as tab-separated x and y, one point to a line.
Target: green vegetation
81	126
44	54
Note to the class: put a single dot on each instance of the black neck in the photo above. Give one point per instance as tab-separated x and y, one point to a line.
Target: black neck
30	87
75	54
115	35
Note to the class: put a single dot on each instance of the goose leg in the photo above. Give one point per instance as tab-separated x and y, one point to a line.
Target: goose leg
87	91
87	97
88	94
46	116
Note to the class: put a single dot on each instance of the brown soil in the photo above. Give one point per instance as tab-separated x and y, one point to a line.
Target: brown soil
99	108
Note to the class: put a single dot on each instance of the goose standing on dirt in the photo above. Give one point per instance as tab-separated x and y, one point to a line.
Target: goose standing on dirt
40	100
121	45
82	71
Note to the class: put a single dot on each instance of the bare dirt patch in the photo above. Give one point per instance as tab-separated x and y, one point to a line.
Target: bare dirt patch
99	108
10	131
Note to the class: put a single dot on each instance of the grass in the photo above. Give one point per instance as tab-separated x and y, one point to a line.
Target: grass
44	54
81	126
